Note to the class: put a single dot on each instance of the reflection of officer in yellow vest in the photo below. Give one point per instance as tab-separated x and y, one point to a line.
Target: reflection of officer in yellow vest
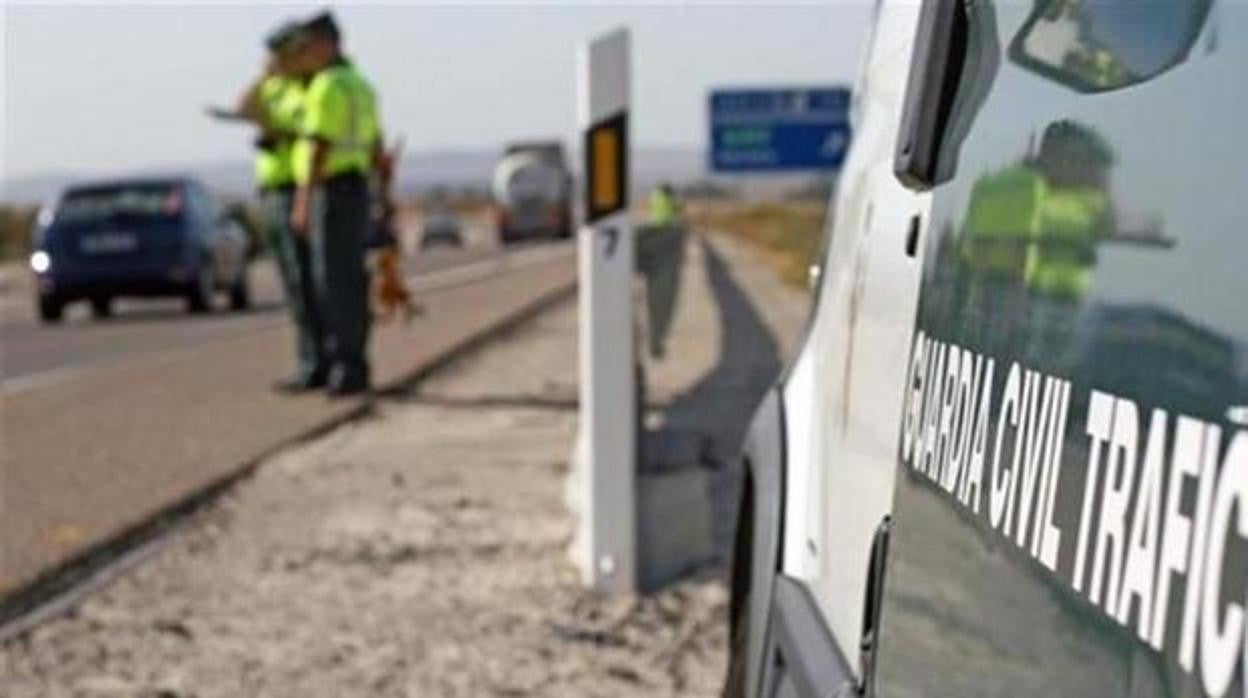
1086	57
1075	215
1031	229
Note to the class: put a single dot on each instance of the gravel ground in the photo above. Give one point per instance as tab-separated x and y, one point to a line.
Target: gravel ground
419	552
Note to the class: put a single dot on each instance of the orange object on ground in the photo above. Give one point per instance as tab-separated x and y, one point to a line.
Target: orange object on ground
390	292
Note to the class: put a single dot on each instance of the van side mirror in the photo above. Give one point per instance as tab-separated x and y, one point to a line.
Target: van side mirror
1109	44
954	62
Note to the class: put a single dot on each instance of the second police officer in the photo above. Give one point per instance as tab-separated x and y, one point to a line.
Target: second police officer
277	102
339	149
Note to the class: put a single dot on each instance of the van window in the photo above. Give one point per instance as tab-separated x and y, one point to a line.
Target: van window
129	202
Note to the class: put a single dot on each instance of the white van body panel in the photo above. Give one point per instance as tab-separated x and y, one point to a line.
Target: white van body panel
843	397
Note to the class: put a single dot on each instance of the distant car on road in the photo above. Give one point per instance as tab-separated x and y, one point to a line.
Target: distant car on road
533	192
138	237
441	226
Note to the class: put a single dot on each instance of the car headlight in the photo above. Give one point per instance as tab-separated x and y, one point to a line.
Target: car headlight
40	262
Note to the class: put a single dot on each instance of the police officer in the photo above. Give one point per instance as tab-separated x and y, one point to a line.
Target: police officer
664	209
339	148
276	104
660	255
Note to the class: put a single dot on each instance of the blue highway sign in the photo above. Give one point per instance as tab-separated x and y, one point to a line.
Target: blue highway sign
779	129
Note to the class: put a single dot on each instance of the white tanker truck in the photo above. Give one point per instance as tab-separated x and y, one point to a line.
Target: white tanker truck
533	192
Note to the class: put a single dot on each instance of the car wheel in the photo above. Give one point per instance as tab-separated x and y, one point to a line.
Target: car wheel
102	307
51	309
240	293
199	295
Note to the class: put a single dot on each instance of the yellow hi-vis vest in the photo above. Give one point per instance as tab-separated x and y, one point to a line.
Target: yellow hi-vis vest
281	99
1002	218
662	208
1063	254
340	109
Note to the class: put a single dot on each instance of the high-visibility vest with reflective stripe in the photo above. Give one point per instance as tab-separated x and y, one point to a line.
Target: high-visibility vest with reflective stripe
1061	259
281	99
1002	218
340	109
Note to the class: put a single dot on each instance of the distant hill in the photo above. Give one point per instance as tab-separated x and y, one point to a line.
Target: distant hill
427	170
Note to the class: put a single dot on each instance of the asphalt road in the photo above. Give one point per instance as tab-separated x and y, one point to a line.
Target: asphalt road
103	424
34	354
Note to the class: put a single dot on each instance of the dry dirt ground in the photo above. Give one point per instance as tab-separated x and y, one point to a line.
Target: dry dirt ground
420	552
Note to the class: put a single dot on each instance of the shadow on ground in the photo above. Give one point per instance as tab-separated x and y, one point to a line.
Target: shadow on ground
691	470
689	477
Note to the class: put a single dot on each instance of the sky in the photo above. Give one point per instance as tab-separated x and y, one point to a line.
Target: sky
94	88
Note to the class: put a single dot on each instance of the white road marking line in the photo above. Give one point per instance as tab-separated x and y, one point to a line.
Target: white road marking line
42	379
432	281
483	268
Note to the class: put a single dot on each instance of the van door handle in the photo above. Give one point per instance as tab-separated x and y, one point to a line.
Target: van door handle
873	598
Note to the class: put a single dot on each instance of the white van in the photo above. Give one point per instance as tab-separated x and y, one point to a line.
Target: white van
1011	456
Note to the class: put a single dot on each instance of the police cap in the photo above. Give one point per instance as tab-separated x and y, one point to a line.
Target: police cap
284	36
322	25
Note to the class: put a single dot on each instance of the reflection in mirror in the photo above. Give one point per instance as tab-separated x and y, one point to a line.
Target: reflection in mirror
1102	45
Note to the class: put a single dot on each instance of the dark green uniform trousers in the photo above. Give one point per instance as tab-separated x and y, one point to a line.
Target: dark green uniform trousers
294	263
660	257
340	220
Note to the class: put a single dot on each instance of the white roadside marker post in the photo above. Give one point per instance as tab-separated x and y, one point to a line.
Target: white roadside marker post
603	483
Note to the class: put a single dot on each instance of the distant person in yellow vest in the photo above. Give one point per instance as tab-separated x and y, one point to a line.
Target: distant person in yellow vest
274	103
664	208
660	255
339	150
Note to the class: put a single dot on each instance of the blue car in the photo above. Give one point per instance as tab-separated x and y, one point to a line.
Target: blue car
140	237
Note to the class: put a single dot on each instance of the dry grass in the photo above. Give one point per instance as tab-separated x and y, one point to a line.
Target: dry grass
15	227
788	233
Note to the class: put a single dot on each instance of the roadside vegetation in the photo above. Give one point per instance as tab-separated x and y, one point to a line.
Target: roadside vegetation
788	233
15	225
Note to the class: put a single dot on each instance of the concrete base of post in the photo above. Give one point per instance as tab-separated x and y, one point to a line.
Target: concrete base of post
575	498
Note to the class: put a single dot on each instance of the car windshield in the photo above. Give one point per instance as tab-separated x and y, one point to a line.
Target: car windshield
146	202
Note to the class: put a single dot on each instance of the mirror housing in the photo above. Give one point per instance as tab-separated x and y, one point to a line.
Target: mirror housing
955	60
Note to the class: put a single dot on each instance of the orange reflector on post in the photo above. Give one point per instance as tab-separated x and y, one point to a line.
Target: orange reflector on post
606	158
606	166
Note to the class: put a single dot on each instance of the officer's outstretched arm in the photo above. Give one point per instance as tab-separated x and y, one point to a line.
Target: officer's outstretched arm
250	107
